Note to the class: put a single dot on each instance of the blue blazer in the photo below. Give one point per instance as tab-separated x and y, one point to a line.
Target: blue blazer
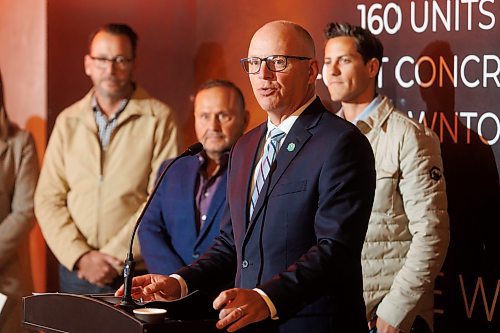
167	234
302	246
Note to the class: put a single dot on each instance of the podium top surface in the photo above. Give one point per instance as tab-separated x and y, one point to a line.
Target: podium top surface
59	313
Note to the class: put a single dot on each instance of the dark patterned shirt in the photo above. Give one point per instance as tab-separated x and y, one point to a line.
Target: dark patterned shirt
206	186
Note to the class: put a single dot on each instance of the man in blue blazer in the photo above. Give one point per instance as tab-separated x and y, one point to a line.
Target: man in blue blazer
184	216
293	241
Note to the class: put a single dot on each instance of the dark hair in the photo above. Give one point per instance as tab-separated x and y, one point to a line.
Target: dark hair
118	29
367	44
224	83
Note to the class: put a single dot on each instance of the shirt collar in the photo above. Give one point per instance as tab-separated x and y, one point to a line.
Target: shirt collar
97	109
366	112
287	124
202	158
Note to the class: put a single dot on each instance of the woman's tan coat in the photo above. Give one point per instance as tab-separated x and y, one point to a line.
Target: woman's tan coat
18	177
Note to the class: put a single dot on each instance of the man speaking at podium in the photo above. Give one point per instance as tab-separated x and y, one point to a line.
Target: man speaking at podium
300	191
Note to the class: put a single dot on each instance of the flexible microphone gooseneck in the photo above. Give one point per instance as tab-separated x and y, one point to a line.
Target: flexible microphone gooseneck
127	301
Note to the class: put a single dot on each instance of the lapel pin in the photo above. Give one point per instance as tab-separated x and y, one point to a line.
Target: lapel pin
291	147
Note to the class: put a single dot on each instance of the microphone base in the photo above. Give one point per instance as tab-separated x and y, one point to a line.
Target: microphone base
128	304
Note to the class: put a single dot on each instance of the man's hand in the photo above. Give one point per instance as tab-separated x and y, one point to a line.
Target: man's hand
240	307
97	268
384	327
153	287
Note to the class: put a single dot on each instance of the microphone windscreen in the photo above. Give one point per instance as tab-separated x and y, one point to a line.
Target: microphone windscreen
194	149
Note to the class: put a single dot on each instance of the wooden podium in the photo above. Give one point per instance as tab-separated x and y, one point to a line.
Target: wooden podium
59	313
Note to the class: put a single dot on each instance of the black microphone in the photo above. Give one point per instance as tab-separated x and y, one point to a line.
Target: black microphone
127	301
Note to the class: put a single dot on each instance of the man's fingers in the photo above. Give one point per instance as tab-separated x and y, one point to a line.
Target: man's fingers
137	283
239	324
97	271
224	298
231	316
119	291
137	293
225	312
112	260
155	288
151	287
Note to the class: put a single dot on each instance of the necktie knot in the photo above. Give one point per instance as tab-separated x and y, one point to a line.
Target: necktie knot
276	134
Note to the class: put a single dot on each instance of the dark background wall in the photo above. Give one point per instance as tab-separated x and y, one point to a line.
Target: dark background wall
166	48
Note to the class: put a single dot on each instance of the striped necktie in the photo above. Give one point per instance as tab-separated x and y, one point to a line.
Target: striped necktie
268	157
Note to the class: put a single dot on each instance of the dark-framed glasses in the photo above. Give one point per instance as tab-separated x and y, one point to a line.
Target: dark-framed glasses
275	63
120	62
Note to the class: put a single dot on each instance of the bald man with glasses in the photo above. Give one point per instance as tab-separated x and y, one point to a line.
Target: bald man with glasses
299	190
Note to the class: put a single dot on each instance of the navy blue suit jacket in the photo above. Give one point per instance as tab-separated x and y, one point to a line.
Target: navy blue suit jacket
302	246
167	234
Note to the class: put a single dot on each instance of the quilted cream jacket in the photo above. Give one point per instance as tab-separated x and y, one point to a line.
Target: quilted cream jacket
408	232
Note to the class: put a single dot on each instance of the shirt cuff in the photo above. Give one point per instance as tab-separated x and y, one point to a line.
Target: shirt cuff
182	282
270	304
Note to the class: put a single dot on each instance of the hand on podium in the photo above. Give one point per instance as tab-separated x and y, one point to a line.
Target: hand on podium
240	307
153	287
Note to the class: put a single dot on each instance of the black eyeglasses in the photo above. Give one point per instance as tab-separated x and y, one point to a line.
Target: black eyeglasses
275	63
119	61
